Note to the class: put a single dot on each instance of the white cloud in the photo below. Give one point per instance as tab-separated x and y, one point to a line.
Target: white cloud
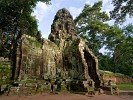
40	11
90	2
55	5
107	6
75	11
105	2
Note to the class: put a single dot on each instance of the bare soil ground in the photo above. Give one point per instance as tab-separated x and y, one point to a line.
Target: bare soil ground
66	96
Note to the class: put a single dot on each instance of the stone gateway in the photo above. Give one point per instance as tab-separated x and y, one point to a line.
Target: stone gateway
63	56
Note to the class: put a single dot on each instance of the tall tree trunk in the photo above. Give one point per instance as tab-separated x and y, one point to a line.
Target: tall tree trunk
14	52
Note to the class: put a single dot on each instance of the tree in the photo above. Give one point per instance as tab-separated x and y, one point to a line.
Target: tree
128	30
114	38
90	25
124	57
123	53
105	62
15	20
122	8
121	48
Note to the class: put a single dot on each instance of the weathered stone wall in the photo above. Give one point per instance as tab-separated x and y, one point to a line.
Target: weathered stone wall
52	59
116	77
29	58
5	69
76	56
63	56
5	72
63	61
36	60
80	62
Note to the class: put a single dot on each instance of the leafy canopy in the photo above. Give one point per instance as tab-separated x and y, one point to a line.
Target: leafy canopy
122	8
91	25
15	20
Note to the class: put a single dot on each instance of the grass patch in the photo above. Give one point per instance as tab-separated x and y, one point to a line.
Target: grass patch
125	86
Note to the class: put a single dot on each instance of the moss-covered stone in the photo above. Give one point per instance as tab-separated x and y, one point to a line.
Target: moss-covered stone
63	56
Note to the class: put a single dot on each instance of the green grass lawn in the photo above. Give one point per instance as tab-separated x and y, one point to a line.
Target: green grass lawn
125	86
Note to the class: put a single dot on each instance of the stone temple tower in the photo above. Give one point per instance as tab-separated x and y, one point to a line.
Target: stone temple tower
64	54
77	58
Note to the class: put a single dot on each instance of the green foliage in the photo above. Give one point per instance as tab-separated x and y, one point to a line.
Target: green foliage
32	42
128	30
17	14
123	53
113	37
91	25
123	57
121	47
15	20
122	8
111	74
105	62
5	72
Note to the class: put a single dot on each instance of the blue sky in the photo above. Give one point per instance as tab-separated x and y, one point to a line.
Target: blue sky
45	13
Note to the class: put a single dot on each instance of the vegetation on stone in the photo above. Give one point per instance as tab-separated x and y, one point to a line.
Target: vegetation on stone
62	57
68	60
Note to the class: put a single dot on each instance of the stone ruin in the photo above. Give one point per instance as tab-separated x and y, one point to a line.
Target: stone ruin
63	56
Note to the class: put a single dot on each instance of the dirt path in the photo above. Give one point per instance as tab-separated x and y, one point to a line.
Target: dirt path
47	96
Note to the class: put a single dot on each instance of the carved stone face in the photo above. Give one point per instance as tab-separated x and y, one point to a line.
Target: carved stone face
63	24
